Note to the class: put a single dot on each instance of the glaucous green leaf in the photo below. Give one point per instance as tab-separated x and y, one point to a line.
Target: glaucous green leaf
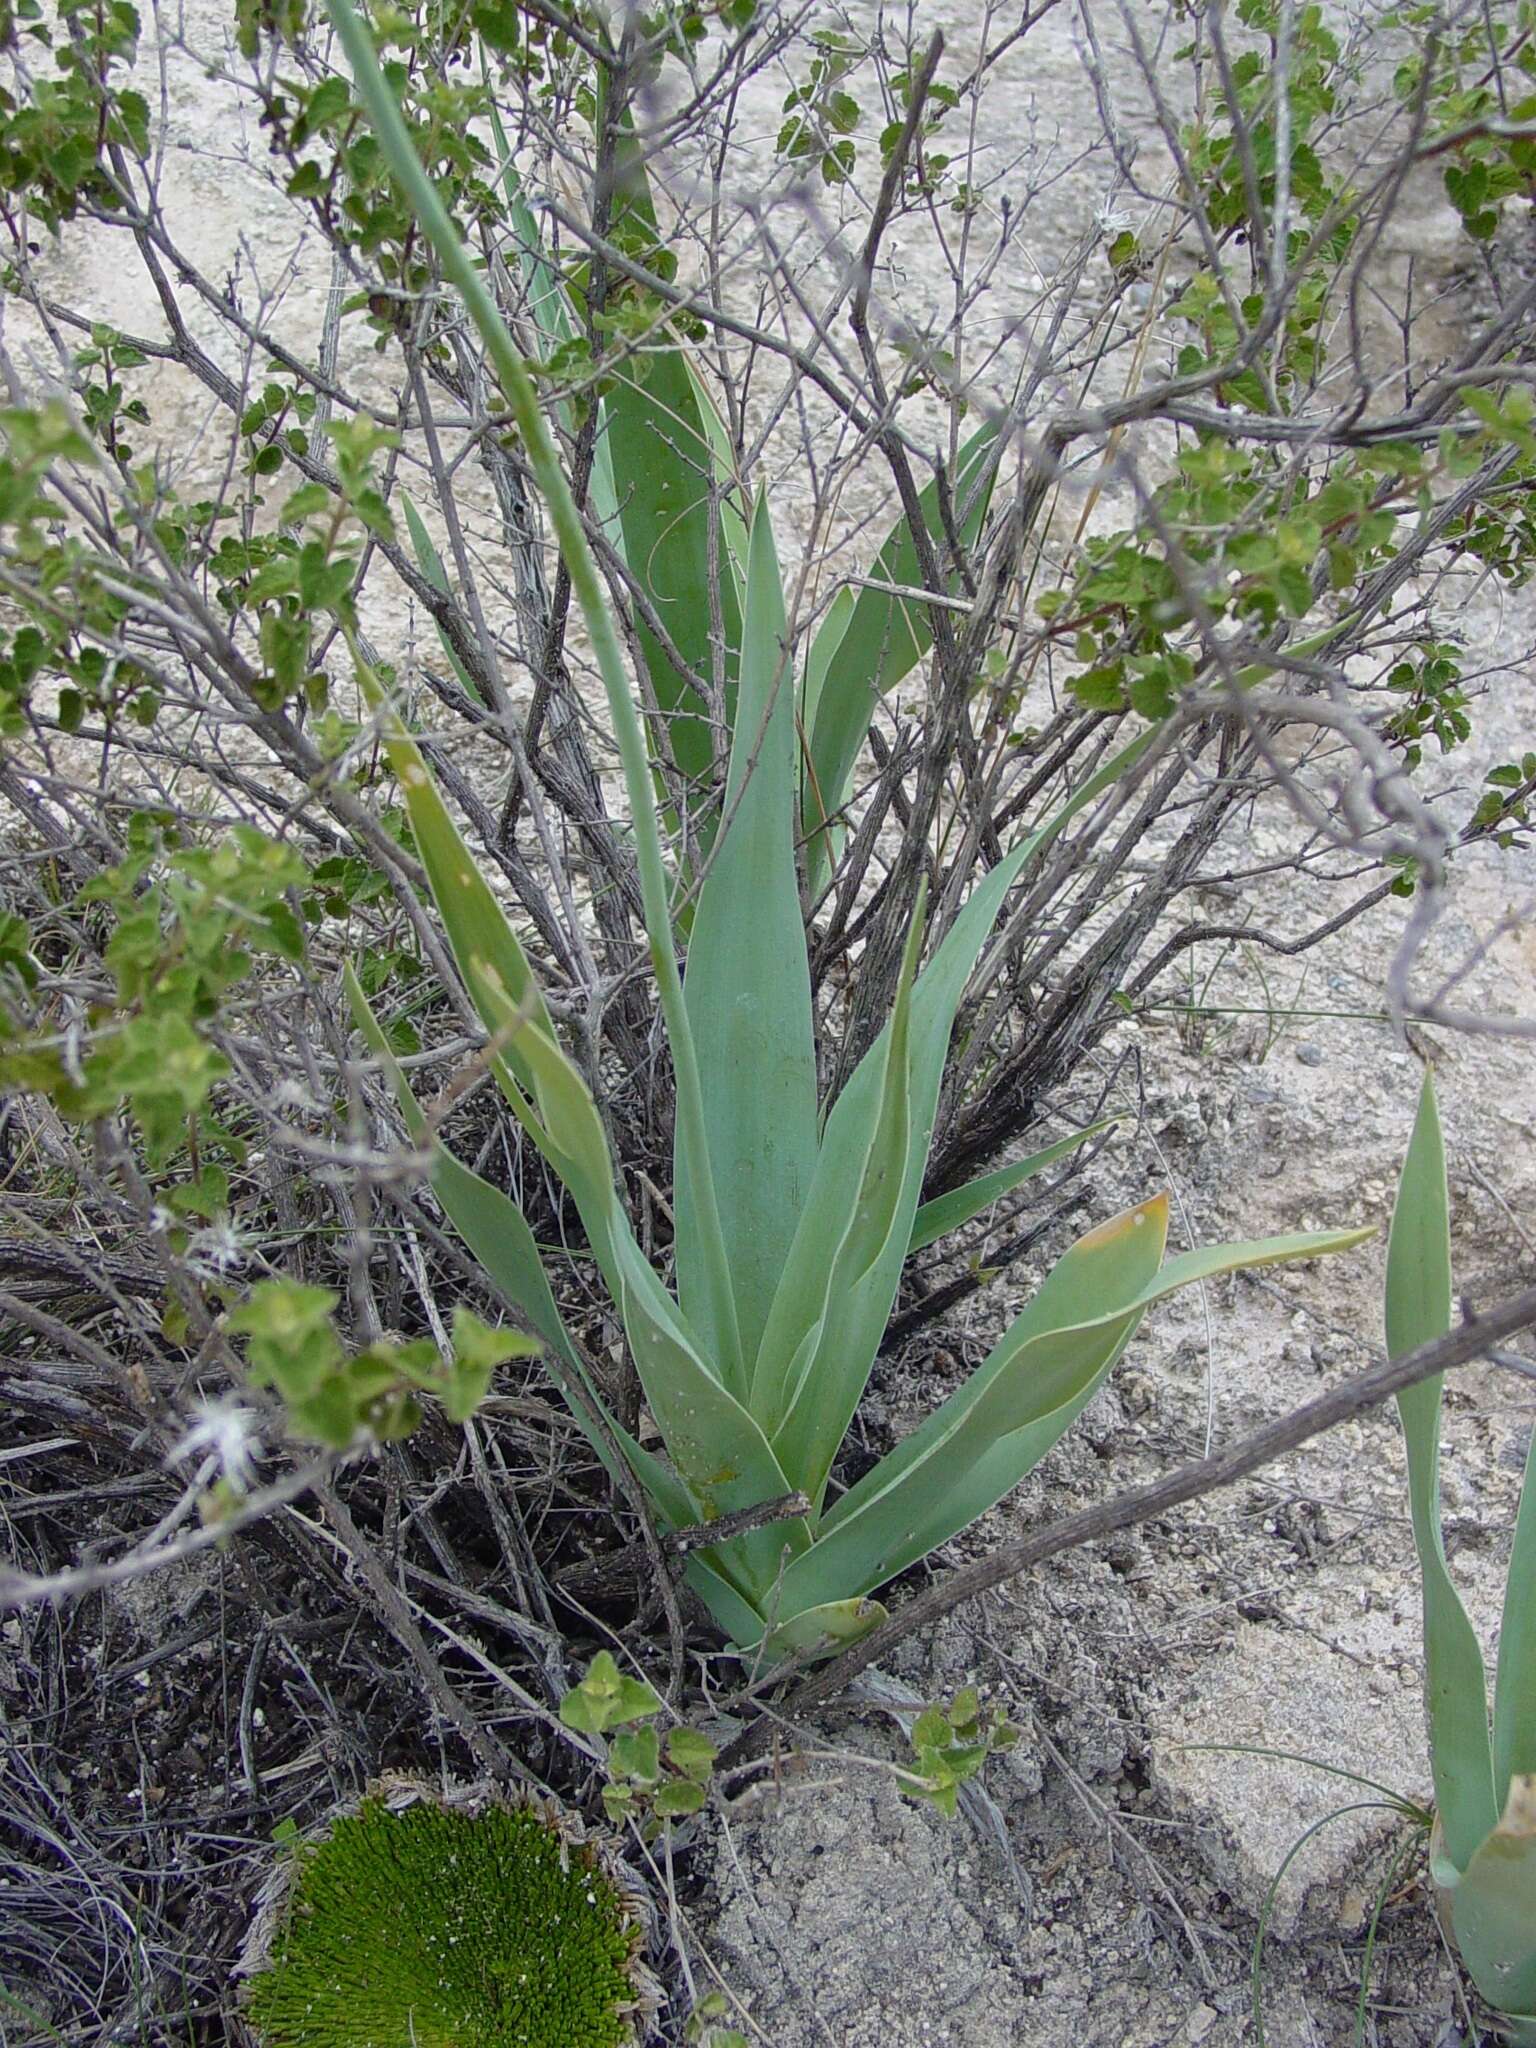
961	1205
748	989
733	495
663	466
497	1233
1023	1396
1492	1912
798	1305
856	1207
821	1387
815	1632
1514	1696
1418	1309
478	928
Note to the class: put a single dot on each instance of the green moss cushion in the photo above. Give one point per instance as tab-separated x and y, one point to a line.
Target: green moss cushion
430	1926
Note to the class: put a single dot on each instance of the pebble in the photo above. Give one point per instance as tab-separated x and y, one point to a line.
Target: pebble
1310	1055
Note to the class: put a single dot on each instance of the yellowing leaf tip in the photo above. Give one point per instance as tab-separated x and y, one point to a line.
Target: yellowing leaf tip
1126	1224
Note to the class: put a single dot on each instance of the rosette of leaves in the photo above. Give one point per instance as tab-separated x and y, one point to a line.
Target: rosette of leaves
464	1921
793	1217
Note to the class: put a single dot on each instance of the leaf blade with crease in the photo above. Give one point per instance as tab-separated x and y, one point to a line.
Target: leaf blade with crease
747	986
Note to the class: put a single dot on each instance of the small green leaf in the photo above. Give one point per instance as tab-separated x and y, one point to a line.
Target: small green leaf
636	1754
606	1698
691	1752
678	1798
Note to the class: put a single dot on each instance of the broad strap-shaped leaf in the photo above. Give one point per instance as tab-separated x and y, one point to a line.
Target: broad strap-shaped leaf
823	1389
660	456
864	1310
974	1454
1418	1309
748	990
1038	1378
663	463
502	1240
882	639
818	661
1492	1910
553	1104
811	1632
804	1353
719	1451
733	496
734	1614
476	924
1514	1693
960	1206
850	1126
495	1230
950	1462
382	104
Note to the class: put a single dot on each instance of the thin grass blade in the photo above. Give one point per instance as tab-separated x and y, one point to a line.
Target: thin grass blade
430	563
549	306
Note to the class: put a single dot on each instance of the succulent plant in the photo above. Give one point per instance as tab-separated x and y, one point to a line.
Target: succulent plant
417	1921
